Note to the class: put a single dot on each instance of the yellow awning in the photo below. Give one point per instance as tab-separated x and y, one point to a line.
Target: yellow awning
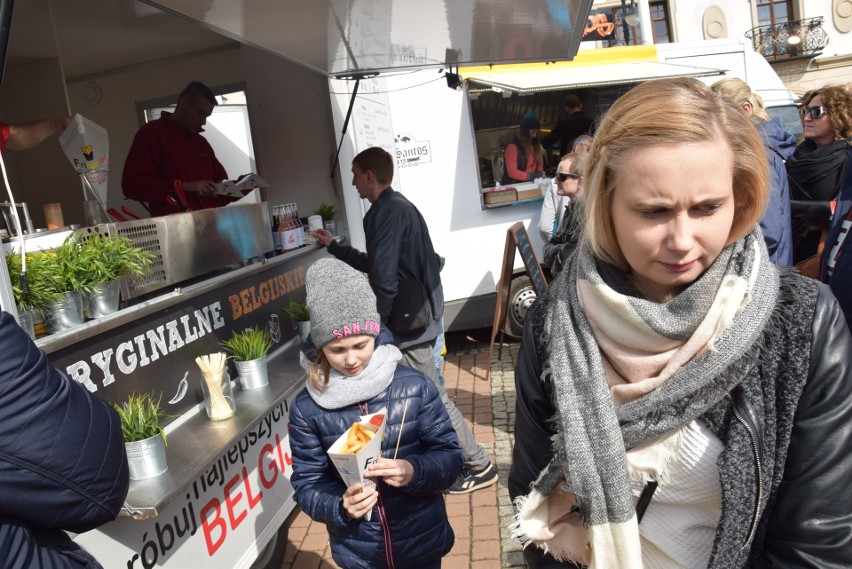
591	68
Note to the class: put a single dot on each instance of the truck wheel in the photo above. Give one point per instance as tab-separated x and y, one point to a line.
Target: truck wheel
272	556
521	296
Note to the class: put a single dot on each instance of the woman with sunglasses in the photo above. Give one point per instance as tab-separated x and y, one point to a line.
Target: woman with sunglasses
680	400
569	185
817	166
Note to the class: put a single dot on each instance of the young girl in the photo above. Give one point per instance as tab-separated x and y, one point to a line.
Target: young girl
354	373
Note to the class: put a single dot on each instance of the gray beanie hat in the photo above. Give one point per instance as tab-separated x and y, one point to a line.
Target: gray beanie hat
340	301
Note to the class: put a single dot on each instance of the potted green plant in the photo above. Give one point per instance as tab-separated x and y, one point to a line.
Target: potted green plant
301	317
33	300
65	278
144	437
248	349
109	259
328	213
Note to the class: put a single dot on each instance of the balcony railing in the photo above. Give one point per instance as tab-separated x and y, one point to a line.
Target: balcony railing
796	39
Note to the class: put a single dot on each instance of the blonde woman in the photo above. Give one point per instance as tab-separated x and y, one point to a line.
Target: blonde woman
569	184
779	146
681	402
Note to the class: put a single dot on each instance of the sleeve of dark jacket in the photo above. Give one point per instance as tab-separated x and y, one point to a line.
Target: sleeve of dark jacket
386	237
62	459
439	462
318	491
811	525
533	411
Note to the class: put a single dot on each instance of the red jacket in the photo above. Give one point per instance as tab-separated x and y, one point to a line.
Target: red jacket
162	152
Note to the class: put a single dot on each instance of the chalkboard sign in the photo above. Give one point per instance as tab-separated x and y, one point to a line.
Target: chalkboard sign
516	238
522	241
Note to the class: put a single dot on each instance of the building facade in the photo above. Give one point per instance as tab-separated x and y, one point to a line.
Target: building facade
807	42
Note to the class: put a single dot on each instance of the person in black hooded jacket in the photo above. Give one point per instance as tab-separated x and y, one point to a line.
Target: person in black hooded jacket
62	460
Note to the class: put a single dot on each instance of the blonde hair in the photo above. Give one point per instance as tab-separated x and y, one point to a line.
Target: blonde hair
581	144
671	111
740	93
838	100
578	164
320	369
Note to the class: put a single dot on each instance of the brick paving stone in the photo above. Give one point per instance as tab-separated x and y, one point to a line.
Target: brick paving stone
485	533
461	526
485	516
460	547
455	563
489	549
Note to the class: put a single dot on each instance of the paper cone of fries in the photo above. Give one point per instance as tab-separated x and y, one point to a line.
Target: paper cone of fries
358	448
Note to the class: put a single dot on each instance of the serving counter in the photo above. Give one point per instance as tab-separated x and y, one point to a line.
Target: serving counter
226	493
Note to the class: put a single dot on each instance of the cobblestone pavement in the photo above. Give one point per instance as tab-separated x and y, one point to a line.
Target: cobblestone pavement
480	519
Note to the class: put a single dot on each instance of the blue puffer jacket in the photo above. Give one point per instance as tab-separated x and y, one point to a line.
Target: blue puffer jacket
62	459
775	224
414	518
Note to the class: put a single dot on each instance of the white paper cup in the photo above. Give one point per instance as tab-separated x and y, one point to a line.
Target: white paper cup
314	222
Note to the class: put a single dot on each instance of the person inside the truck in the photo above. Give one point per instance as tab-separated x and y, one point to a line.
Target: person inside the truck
25	135
353	370
779	145
573	124
818	165
524	156
681	401
171	150
400	252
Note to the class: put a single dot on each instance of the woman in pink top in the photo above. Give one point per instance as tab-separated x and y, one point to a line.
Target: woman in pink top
524	156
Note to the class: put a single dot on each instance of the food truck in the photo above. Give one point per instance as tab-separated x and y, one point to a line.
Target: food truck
449	147
225	498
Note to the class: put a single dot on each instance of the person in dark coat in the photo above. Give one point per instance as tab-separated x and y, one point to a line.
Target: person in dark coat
575	124
62	461
399	249
818	165
779	145
569	183
354	373
681	400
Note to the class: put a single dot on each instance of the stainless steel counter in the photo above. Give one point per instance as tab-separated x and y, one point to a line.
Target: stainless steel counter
195	443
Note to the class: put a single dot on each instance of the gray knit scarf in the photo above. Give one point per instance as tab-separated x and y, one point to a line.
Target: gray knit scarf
593	435
343	390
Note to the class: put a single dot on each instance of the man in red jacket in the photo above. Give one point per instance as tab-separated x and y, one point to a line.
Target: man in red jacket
172	149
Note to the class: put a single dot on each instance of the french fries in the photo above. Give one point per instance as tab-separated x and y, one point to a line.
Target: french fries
357	439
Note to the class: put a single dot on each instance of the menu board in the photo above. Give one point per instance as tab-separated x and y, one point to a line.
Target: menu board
371	116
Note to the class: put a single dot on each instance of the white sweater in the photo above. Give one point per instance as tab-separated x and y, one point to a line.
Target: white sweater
680	523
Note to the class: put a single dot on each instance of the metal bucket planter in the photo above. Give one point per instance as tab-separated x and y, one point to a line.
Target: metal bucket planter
146	458
330	225
25	321
103	299
304	327
253	373
65	313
